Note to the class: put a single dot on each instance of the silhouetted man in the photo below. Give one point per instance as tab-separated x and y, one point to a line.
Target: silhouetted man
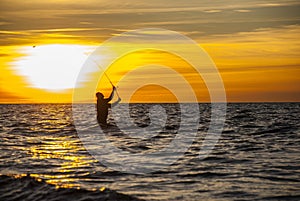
103	105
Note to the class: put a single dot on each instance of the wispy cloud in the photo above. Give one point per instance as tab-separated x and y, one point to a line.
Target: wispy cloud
212	11
271	48
98	20
243	11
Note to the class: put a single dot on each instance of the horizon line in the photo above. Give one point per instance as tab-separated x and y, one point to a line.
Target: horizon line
70	103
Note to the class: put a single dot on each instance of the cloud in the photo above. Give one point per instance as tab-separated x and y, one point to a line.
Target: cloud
243	11
95	21
212	11
7	97
125	6
270	49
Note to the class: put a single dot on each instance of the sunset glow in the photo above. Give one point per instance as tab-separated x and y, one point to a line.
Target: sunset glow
255	46
51	67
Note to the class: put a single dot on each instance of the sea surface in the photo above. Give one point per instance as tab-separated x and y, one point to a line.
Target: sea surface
257	156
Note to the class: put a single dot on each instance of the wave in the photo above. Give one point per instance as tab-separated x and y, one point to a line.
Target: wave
27	188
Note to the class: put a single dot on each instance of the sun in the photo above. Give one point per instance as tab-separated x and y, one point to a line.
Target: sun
52	67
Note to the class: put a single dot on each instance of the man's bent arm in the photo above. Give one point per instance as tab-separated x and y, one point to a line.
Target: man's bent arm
111	95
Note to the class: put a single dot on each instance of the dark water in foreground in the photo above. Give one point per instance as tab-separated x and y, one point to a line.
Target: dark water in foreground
256	158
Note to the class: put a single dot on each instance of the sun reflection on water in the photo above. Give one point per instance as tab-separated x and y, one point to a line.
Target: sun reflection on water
70	163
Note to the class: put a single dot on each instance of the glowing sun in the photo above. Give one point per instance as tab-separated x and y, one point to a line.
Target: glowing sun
52	67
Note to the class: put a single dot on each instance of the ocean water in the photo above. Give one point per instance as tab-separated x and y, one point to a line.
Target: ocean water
256	158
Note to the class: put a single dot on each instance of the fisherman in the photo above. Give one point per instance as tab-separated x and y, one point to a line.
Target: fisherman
103	105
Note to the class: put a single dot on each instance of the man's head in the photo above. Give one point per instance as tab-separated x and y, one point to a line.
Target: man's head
99	95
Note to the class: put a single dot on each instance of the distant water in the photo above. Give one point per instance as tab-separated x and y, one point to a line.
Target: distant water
256	158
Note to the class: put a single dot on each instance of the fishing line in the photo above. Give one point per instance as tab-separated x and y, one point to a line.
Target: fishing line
107	77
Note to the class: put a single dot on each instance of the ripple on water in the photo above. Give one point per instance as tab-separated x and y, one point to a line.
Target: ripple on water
256	158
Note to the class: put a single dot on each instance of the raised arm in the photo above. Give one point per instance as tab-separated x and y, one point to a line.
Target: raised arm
111	95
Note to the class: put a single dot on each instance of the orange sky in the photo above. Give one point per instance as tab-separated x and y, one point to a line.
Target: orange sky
254	46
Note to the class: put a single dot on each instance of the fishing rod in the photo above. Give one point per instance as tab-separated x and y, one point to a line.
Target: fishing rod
111	84
107	77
